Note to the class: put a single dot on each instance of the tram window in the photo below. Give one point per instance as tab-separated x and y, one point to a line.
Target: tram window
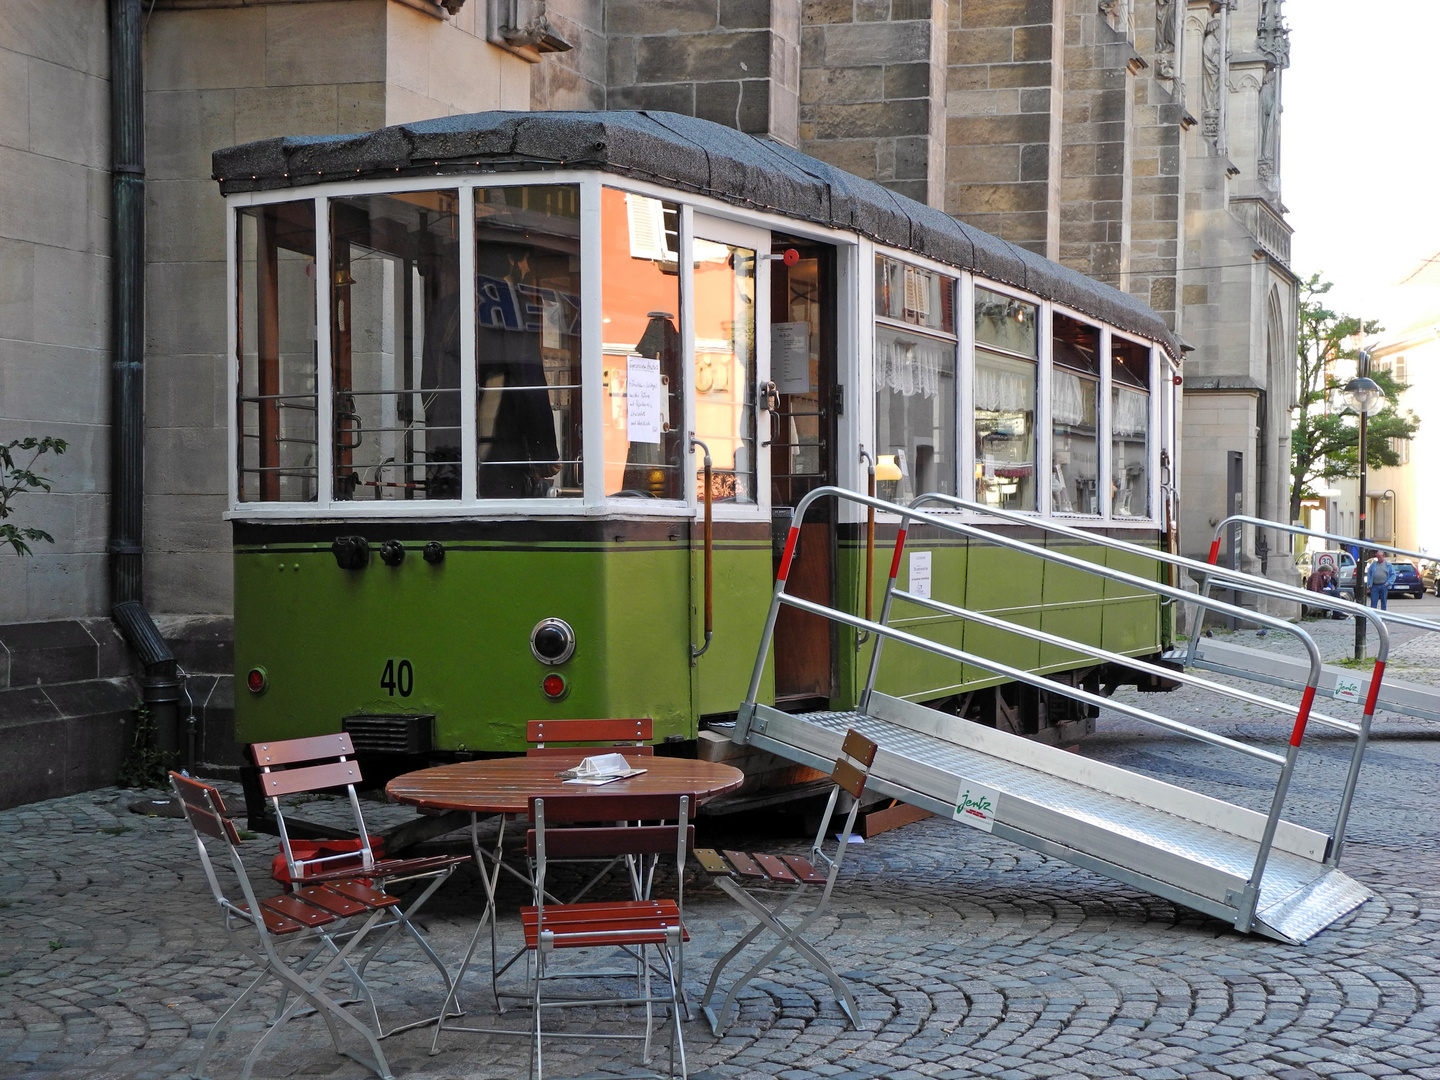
642	381
275	305
1075	400
911	294
914	379
724	277
395	345
1129	428
1005	401
527	348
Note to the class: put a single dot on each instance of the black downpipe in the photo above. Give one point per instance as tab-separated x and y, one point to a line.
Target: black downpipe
160	685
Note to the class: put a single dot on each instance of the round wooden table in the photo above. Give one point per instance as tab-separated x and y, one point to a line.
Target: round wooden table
506	785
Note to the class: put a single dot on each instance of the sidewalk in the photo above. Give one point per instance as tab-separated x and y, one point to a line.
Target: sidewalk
969	957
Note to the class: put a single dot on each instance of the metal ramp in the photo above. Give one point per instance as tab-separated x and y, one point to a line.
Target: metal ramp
1257	871
1342	684
1264	666
1186	847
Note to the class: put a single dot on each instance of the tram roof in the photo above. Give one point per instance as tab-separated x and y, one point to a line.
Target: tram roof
688	154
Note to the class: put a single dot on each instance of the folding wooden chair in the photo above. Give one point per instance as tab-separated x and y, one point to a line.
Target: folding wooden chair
743	875
324	762
629	737
632	925
331	919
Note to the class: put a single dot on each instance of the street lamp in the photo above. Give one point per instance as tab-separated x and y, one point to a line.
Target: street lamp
1363	394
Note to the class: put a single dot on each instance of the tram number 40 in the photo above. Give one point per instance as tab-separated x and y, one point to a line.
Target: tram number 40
398	677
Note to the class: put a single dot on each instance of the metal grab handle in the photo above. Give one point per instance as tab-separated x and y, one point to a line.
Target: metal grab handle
695	653
862	636
767	399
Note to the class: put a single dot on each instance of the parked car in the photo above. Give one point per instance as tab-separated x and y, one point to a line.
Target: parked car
1430	575
1407	580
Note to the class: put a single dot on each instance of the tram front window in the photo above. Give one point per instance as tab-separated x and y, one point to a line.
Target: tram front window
914	378
642	377
527	346
1074	405
725	367
1129	428
395	345
1005	376
275	311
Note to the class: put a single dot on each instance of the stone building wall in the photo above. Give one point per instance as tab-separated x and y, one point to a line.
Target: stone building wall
54	292
1004	93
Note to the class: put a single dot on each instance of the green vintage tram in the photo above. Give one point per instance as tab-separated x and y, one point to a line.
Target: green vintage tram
477	363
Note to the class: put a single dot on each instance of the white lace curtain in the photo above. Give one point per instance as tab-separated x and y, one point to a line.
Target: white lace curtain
1004	385
910	365
1131	413
1070	393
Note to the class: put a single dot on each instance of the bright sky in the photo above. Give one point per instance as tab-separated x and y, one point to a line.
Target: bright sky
1360	161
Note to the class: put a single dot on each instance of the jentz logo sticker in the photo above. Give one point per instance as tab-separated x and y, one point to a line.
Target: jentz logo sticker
976	805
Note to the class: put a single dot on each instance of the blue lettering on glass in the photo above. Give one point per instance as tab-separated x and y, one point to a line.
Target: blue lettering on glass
500	304
495	304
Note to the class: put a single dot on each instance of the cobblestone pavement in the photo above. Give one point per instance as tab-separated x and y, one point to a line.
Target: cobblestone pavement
970	957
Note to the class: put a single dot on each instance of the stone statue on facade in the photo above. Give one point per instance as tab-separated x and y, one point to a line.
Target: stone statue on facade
1211	56
1165	38
1269	121
1118	13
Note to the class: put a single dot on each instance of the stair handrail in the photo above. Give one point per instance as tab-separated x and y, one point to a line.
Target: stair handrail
1246	905
1236	579
1383	614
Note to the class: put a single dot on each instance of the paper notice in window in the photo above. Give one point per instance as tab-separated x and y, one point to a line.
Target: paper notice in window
642	400
919	573
790	356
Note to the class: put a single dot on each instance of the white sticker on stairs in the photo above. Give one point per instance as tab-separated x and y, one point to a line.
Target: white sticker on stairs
976	805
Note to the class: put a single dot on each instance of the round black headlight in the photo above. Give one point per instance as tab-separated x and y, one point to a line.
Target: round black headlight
552	641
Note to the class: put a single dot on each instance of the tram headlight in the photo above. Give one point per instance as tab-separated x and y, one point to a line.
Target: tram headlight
257	681
552	641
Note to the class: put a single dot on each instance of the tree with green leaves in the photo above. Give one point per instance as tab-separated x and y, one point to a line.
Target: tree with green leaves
1324	443
16	480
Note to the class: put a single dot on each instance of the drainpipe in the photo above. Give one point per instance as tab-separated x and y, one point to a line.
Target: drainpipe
160	685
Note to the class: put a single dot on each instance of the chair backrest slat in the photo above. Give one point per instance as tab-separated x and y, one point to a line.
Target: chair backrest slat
313	748
567	809
570	751
309	778
197	800
615	731
860	748
849	777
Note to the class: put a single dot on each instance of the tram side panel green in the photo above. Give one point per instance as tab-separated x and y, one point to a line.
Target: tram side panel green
742	582
326	638
1074	604
643	658
1008	585
908	671
1132	614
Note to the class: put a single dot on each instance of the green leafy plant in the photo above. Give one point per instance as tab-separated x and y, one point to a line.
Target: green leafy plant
146	766
1325	444
16	480
56	944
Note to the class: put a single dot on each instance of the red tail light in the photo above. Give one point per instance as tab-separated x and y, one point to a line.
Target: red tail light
257	682
555	686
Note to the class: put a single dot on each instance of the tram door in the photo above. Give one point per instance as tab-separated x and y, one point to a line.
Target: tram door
802	458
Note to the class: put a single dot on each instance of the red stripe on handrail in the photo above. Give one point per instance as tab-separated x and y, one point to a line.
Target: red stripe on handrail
790	539
1214	551
1304	716
1374	688
895	560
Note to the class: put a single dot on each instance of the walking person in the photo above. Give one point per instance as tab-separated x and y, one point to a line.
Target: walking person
1379	577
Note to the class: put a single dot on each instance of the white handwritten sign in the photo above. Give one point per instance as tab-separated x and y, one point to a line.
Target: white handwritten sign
920	573
976	805
790	356
642	400
1347	687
